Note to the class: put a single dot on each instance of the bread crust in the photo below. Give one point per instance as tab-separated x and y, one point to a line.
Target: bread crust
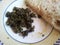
46	15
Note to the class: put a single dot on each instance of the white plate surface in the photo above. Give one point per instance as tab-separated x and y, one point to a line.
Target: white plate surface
41	27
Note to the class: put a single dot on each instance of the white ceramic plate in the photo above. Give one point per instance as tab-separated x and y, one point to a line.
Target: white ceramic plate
41	27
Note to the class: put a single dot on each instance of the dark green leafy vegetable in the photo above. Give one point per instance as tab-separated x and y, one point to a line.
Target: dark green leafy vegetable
43	35
19	18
